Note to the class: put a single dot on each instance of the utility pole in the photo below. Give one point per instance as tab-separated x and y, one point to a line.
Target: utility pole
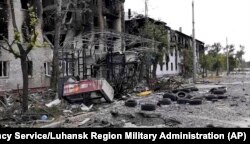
227	56
146	8
194	47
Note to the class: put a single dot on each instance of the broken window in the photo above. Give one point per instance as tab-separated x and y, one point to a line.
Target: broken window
172	53
167	66
48	2
161	66
95	22
97	47
3	20
49	20
176	59
172	66
24	4
62	39
3	1
3	69
68	18
107	3
66	68
50	38
110	23
94	2
30	68
47	68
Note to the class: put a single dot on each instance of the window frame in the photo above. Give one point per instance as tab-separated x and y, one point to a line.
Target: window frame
47	68
7	69
28	67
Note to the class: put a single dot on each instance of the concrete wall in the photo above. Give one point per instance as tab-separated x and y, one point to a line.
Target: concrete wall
172	60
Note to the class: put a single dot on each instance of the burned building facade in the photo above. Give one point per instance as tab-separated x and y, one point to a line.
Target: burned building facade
86	35
84	38
173	59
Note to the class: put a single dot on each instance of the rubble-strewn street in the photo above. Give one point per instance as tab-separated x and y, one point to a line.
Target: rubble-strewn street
106	63
230	111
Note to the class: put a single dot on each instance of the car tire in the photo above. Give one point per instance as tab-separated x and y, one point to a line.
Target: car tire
195	102
222	97
181	94
182	101
189	96
219	91
198	98
148	107
131	103
175	91
170	96
194	89
165	101
185	90
211	97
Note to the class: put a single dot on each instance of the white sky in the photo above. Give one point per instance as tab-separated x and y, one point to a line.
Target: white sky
215	19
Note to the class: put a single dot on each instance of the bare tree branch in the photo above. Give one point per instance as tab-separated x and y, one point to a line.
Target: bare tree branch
10	47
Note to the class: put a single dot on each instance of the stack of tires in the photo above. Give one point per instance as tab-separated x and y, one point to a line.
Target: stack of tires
183	96
216	94
144	107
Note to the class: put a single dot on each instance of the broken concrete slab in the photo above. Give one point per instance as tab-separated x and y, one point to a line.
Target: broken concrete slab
54	103
54	125
84	122
85	108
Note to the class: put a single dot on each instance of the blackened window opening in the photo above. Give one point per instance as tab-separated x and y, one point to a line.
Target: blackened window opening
24	4
30	68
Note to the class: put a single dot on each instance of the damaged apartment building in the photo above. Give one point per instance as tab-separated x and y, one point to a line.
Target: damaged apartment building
94	43
91	31
173	59
38	59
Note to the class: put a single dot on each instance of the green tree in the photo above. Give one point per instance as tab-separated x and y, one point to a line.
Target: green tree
158	33
188	62
232	59
239	55
25	40
214	51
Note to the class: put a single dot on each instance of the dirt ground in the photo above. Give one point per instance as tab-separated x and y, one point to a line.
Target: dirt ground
229	113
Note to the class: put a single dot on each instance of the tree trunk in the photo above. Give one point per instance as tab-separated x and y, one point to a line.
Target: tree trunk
24	66
148	74
217	72
142	71
55	63
154	70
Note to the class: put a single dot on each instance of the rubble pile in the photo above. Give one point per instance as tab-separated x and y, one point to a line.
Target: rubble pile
178	104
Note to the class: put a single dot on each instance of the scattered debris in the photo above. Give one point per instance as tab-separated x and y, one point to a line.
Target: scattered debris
172	122
84	122
146	93
85	108
53	103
